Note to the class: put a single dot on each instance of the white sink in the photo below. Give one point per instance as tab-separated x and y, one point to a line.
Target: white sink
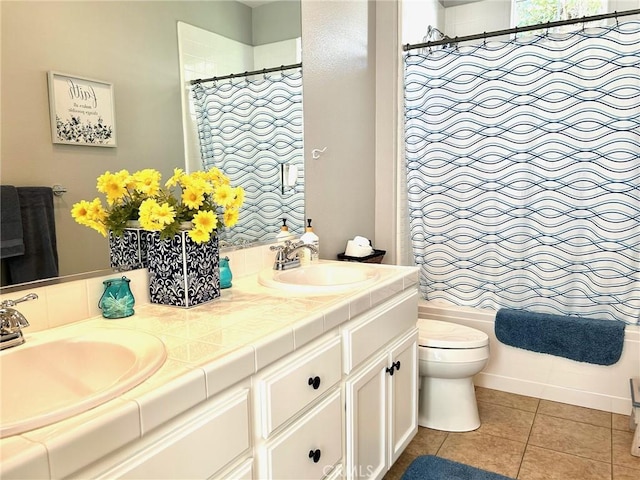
48	379
320	278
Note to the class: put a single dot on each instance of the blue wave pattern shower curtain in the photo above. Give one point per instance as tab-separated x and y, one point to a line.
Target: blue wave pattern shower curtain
523	169
249	128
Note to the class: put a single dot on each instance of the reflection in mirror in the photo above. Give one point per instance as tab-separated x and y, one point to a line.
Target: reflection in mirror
243	115
134	47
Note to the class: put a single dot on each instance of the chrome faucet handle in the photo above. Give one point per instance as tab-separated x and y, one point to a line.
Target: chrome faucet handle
13	303
11	321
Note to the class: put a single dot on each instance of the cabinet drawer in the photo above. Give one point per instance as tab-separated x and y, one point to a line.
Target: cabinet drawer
317	434
372	330
290	386
195	446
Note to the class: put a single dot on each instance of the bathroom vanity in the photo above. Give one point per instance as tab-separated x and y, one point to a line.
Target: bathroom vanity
261	383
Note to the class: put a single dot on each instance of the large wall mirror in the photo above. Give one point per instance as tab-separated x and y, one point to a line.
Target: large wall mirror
135	47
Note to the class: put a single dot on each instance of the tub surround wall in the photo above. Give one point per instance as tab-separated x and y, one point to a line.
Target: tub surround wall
546	376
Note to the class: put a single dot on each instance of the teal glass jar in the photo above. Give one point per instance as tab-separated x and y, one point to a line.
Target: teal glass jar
225	273
117	300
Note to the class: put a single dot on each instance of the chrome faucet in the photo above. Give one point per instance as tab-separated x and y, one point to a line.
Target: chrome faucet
284	256
12	322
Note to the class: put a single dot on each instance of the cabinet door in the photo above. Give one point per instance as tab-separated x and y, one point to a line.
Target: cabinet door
366	420
403	394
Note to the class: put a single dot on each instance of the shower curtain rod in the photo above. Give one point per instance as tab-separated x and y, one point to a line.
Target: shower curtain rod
247	74
528	28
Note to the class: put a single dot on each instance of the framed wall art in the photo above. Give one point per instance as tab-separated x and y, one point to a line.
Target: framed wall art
82	111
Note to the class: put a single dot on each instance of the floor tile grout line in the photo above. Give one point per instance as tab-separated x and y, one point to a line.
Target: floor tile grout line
526	444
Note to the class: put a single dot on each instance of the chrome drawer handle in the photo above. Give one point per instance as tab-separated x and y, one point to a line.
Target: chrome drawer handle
314	382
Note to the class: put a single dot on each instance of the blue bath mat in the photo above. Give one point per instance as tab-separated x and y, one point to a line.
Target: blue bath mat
581	339
429	467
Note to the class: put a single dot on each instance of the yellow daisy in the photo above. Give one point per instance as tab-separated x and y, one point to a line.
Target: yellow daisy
205	220
230	217
192	197
147	181
198	236
173	181
224	195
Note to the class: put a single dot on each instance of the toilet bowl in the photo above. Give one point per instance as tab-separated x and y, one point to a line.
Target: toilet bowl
450	355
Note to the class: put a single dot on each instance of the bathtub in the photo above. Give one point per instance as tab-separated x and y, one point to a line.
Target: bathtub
545	376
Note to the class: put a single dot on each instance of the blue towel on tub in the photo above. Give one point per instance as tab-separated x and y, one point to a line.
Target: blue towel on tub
581	339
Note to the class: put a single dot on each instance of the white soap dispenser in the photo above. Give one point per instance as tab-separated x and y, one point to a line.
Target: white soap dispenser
309	237
284	233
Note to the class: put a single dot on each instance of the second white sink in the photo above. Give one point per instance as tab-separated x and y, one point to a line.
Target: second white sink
320	278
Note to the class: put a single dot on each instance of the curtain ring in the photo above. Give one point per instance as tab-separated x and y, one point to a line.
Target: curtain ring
617	19
484	40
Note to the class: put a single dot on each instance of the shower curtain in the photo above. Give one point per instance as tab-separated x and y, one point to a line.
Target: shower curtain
523	172
251	128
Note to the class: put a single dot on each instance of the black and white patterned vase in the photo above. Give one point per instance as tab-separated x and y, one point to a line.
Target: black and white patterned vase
128	251
182	273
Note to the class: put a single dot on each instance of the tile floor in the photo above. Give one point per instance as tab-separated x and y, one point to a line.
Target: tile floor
532	439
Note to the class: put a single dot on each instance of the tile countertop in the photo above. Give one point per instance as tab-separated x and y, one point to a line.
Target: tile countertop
209	348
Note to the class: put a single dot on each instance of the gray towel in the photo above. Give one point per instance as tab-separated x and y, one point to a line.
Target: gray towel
11	244
40	259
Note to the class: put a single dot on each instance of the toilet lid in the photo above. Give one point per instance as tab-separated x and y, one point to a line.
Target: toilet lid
434	333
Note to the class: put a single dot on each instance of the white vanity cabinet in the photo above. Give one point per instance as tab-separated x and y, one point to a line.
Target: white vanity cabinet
299	413
381	388
343	405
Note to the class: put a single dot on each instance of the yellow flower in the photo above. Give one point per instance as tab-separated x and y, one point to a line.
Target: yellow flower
205	220
218	178
155	216
193	197
173	181
164	214
239	198
114	185
224	195
96	211
98	227
80	212
90	214
199	236
205	198
230	217
146	181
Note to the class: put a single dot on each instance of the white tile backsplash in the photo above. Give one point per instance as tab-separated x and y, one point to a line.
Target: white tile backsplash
77	300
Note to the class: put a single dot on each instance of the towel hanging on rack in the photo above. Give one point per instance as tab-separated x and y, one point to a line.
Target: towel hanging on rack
40	259
11	242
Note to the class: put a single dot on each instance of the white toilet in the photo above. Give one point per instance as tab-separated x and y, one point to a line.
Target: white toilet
450	355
